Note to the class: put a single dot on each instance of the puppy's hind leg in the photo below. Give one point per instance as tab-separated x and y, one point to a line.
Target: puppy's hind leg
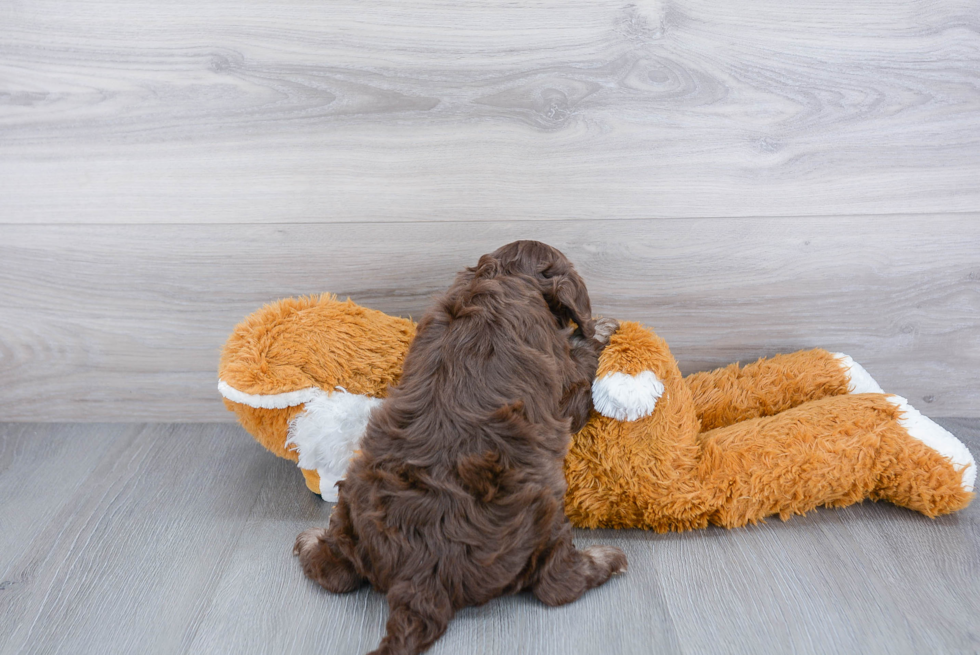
567	573
420	613
323	562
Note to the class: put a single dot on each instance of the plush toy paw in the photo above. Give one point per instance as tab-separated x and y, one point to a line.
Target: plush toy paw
627	386
627	397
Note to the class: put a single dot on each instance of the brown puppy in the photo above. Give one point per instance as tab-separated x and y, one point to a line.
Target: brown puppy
456	495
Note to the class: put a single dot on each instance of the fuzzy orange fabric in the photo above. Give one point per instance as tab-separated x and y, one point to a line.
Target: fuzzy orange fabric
312	479
833	452
609	462
766	387
311	341
269	427
780	436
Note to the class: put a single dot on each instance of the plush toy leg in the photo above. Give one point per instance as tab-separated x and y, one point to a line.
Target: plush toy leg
729	395
325	436
312	480
833	452
638	474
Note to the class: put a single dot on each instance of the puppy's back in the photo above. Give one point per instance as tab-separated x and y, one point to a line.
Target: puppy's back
460	469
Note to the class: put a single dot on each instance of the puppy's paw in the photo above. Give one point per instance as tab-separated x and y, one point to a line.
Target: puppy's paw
604	329
308	539
608	558
324	563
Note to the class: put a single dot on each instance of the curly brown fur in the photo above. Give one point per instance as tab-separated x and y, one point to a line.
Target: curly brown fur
457	494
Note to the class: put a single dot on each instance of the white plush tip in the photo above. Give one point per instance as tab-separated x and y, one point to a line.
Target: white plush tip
267	401
938	438
861	380
627	397
327	432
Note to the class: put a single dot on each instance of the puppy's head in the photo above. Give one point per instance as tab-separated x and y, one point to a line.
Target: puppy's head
560	285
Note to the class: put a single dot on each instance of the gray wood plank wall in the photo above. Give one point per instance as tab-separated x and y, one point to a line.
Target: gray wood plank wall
747	178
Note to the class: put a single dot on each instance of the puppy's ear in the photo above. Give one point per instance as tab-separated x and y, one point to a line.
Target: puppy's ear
565	292
488	267
556	278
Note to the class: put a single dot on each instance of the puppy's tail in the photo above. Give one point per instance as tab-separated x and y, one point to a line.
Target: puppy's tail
420	611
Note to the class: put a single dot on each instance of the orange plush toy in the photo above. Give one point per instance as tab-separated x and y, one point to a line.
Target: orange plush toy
779	436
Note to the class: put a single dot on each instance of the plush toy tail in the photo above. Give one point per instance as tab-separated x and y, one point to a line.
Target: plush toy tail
833	452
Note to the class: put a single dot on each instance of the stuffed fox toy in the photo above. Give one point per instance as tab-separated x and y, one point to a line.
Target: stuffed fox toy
779	436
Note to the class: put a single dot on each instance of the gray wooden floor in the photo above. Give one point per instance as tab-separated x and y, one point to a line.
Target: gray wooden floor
126	538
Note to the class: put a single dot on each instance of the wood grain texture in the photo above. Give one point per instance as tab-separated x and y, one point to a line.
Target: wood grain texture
256	111
126	322
36	483
178	539
162	499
